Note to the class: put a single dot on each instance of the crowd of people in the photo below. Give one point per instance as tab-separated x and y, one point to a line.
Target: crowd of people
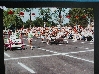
75	33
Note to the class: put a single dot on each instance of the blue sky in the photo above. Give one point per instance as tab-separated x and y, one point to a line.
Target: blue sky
26	17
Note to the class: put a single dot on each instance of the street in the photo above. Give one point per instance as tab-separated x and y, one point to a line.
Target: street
72	58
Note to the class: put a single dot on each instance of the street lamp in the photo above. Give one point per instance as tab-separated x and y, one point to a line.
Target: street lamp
60	16
30	17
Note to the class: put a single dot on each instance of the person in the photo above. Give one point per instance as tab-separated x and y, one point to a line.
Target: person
30	37
17	34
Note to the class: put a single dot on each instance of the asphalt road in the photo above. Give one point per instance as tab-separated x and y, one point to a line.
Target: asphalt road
72	58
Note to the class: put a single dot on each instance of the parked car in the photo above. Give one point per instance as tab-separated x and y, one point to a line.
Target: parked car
13	42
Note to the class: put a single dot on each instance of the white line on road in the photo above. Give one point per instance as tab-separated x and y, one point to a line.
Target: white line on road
6	54
47	50
55	52
90	43
27	68
86	48
39	48
78	52
68	52
80	59
73	56
51	51
82	42
60	44
43	49
30	57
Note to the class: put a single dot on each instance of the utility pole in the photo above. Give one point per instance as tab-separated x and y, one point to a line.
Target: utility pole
30	18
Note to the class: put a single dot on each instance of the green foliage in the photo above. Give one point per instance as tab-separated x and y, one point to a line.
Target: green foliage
38	22
45	14
80	16
12	19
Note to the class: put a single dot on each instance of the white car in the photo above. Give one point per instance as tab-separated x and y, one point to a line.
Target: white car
14	42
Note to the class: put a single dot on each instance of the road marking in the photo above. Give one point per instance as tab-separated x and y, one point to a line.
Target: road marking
51	51
27	68
39	48
69	52
55	52
90	43
86	48
78	51
82	42
6	54
63	53
47	50
74	52
43	49
79	58
30	57
60	44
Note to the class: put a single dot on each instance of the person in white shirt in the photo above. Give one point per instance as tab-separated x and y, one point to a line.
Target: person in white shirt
30	37
59	34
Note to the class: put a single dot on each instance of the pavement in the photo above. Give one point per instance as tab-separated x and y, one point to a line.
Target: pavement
72	58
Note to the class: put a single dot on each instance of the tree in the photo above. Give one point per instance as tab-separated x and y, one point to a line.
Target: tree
11	18
19	23
27	24
38	22
59	15
45	14
8	19
80	16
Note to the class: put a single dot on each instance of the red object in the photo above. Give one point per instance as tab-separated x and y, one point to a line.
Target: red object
76	17
68	16
33	13
21	13
10	12
84	16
